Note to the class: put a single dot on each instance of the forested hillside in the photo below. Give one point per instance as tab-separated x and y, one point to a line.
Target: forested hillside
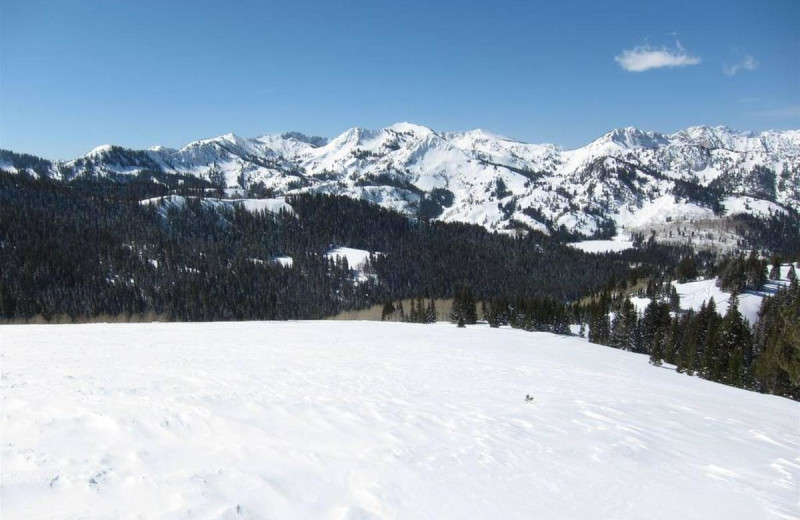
90	247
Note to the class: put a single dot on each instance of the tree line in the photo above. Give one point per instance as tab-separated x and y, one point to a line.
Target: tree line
721	347
89	247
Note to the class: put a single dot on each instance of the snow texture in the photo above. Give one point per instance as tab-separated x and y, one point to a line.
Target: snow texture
370	420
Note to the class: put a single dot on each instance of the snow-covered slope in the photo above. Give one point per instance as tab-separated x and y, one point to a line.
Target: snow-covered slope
164	204
630	178
696	293
358	420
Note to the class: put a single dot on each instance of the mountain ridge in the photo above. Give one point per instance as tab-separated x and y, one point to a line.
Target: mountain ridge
476	176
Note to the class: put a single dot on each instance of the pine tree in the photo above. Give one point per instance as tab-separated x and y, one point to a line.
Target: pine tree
599	326
672	341
624	325
457	310
687	350
755	271
655	319
777	338
470	312
430	312
464	307
708	324
656	353
388	310
775	271
674	300
734	341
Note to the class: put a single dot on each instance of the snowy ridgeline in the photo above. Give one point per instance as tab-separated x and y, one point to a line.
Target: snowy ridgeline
639	181
345	420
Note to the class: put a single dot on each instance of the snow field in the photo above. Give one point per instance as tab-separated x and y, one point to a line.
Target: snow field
355	257
602	246
346	420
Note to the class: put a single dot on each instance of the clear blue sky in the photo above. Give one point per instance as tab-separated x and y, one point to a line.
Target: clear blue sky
76	74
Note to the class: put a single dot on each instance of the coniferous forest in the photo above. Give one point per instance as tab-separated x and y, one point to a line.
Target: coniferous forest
89	249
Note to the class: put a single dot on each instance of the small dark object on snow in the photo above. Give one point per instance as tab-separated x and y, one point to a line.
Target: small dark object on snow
528	398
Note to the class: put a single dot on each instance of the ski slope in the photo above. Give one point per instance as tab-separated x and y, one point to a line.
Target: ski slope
366	420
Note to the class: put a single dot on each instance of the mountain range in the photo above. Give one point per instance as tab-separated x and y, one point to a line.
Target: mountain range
628	180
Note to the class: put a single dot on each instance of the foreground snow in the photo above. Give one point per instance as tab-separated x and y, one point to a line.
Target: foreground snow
345	420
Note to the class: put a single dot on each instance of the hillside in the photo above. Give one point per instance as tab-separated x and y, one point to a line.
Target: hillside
80	250
347	420
681	185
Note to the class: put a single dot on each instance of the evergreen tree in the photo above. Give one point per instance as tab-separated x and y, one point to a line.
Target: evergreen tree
672	341
712	363
687	351
777	343
217	179
430	312
623	326
686	269
775	271
656	352
600	325
733	344
674	300
413	313
388	310
655	320
755	271
470	312
464	307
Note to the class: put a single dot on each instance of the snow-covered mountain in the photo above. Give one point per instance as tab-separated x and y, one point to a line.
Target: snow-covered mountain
628	179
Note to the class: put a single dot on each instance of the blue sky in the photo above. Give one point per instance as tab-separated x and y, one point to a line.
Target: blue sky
76	74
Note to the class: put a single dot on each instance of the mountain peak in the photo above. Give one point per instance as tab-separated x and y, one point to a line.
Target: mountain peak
313	140
230	138
632	137
100	150
413	128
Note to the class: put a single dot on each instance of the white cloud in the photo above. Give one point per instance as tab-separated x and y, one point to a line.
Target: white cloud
646	57
747	63
783	113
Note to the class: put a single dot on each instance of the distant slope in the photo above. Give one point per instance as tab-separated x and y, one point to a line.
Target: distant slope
694	294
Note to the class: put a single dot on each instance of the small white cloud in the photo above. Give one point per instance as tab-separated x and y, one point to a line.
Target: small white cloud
646	57
782	113
747	63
